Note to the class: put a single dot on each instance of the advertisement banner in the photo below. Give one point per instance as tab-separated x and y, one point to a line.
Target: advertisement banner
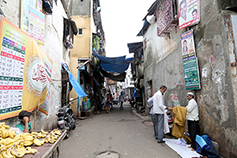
36	25
191	73
25	6
187	41
48	68
189	12
190	62
23	78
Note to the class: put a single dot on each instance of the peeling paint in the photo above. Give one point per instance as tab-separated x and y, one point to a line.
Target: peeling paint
175	100
218	78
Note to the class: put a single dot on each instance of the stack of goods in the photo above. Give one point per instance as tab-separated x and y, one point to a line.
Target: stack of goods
12	145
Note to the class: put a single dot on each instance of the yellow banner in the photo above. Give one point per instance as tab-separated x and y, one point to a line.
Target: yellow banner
23	78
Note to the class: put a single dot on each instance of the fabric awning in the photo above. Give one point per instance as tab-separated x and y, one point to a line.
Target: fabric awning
113	64
119	77
80	92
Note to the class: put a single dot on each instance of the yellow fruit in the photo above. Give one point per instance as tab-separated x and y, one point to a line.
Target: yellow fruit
34	133
7	154
11	134
4	133
18	151
56	131
38	142
28	143
43	132
39	135
29	138
29	150
6	126
9	141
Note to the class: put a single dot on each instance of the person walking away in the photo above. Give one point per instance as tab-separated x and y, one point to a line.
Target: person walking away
107	102
159	110
153	116
192	117
111	101
121	100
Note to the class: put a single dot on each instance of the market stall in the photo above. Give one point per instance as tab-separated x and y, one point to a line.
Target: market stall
47	149
42	144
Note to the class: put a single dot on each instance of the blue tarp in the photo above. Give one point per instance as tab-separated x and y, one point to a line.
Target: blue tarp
115	64
74	83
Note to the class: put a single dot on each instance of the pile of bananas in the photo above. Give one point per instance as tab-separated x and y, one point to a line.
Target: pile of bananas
12	145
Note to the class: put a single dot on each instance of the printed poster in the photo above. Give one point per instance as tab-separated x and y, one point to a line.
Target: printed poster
23	76
48	68
25	6
190	62
36	25
191	74
187	42
189	12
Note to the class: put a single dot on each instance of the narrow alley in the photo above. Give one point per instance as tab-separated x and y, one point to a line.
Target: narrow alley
120	131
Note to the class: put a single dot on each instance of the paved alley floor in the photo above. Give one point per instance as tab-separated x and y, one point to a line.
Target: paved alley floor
120	132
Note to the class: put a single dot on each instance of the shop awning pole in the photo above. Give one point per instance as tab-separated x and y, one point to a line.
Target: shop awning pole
83	64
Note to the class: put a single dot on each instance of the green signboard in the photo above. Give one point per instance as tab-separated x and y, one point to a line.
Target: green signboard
190	62
191	74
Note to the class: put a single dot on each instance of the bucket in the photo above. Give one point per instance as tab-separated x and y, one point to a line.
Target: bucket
84	106
89	103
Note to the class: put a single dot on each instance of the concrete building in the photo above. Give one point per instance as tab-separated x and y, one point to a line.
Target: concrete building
53	47
128	84
215	44
90	39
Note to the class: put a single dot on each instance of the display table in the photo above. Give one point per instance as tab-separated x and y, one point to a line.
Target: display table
47	149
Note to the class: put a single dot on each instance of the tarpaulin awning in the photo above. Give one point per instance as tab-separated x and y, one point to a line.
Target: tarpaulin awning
119	77
74	83
114	64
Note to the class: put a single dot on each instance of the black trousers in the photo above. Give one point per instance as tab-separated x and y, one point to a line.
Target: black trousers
193	131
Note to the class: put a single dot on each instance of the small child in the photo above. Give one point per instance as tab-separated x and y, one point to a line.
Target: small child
25	124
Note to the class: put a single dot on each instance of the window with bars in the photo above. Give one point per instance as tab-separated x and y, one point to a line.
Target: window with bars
80	31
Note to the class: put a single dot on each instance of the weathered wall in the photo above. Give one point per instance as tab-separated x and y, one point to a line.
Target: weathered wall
81	14
77	7
215	42
81	48
56	52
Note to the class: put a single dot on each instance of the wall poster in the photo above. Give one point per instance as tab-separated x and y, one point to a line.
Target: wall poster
36	25
190	61
23	72
189	12
25	6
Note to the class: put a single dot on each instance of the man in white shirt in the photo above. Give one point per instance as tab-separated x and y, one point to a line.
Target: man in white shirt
192	117
159	110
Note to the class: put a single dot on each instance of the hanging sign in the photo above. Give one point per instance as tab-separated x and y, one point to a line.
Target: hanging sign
36	25
189	13
190	62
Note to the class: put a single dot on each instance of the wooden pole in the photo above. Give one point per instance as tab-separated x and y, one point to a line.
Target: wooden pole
34	120
35	117
83	64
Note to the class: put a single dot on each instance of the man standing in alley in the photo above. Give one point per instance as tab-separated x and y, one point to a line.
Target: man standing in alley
192	117
121	100
159	110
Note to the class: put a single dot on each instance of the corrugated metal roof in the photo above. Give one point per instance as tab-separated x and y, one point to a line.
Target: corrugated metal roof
134	47
144	28
152	9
